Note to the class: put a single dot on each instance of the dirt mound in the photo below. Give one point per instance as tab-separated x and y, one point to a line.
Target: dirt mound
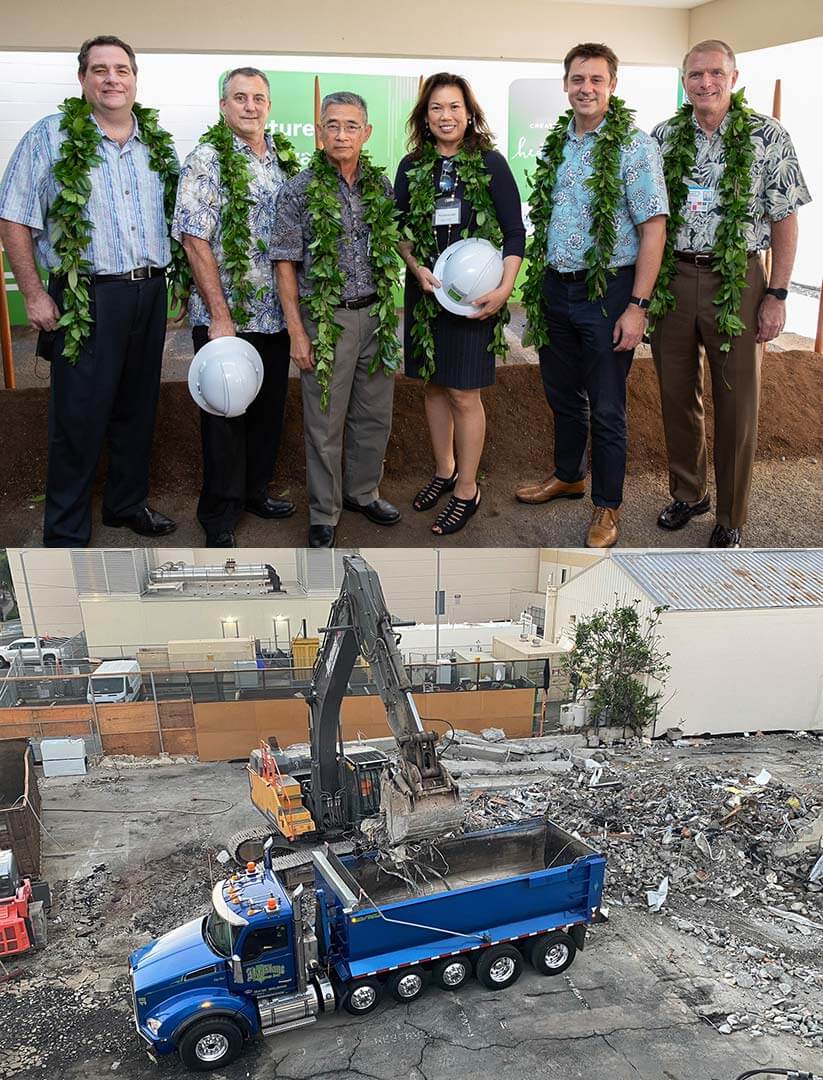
518	444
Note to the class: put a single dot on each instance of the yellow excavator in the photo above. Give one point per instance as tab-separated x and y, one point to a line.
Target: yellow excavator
329	794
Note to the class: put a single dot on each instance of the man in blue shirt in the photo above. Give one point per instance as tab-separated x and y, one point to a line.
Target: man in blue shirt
109	395
592	342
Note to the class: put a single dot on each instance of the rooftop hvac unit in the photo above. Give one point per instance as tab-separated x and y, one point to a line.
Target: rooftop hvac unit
230	574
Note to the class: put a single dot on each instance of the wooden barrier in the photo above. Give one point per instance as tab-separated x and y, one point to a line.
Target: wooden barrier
135	727
228	730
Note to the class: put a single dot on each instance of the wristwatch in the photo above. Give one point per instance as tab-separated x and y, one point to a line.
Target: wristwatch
641	301
781	294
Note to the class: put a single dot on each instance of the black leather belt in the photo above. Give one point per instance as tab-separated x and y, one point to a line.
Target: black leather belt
703	258
355	305
577	275
140	273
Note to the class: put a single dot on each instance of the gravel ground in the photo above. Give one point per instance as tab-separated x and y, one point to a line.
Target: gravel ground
705	988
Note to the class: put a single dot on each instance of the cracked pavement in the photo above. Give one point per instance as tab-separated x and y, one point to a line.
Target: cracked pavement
631	1007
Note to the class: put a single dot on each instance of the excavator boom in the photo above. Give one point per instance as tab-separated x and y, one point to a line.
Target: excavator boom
419	797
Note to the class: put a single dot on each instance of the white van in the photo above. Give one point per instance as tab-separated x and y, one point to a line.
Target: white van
115	681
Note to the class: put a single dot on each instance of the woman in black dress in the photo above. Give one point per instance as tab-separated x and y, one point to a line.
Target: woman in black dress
448	118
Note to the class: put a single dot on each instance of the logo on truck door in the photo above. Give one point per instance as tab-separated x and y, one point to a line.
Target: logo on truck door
262	973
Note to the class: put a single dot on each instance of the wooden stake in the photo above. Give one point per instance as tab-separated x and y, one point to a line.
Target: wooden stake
777	99
5	331
317	112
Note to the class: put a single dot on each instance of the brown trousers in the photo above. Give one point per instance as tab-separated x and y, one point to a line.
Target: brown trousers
680	341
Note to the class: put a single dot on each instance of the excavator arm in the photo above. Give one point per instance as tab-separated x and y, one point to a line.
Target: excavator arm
419	797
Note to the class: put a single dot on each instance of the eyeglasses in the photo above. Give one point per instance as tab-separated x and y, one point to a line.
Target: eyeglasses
334	128
447	177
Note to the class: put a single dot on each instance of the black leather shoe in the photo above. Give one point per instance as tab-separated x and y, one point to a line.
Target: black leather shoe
145	522
678	513
725	538
270	508
321	536
222	539
381	511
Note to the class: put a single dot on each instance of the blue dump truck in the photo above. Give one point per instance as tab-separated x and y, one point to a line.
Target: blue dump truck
482	904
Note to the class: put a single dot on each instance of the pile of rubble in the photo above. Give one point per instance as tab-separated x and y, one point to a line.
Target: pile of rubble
734	861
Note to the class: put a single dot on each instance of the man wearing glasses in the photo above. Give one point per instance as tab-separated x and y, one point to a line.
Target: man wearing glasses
359	404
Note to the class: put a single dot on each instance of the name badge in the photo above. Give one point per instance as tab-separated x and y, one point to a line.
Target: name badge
699	199
447	212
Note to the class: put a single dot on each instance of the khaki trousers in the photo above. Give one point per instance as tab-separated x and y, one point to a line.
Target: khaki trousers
358	418
680	342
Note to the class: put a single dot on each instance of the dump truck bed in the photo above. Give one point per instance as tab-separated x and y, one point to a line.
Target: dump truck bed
489	886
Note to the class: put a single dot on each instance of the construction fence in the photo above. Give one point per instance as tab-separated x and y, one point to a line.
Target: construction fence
219	715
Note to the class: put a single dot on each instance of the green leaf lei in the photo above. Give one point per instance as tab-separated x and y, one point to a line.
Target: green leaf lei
72	230
326	277
730	249
235	179
419	231
604	183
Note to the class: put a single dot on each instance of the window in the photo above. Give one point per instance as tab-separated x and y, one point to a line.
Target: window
267	939
563	576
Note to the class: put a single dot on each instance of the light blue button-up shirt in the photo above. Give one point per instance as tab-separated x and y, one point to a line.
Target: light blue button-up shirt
642	196
125	207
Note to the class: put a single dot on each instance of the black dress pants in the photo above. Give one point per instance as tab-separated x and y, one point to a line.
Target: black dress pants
585	382
239	452
107	399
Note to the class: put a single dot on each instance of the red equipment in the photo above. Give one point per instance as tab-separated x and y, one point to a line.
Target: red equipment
22	916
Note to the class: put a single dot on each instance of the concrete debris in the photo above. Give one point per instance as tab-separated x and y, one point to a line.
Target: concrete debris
707	848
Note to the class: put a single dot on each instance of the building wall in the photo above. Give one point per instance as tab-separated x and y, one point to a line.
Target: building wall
744	670
478	585
600	586
51	584
531	30
755	24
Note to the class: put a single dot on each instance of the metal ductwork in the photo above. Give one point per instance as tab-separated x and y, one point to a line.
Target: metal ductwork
262	574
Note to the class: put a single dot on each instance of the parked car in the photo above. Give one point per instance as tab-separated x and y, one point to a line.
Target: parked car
26	647
115	681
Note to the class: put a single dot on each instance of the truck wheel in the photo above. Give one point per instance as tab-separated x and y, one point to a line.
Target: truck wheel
408	984
452	972
211	1044
363	996
499	967
552	953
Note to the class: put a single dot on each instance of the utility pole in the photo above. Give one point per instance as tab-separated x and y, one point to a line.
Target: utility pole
438	604
31	606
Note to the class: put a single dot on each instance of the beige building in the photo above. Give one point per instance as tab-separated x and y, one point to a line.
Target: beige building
125	599
641	31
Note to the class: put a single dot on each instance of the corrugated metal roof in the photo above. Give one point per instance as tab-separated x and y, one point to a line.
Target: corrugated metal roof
709	580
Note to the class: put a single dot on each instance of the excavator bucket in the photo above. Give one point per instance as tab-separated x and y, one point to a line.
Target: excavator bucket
424	816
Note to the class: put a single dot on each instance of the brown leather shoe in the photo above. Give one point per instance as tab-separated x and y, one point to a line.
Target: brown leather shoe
546	490
603	528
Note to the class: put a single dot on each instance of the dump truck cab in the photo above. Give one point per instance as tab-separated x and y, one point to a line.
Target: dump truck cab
209	985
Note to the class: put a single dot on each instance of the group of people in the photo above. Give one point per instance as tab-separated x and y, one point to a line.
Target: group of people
631	233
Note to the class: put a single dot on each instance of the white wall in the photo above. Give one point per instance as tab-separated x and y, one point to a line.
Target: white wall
744	671
601	586
51	584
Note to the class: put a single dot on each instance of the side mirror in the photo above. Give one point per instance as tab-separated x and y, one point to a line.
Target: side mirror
236	969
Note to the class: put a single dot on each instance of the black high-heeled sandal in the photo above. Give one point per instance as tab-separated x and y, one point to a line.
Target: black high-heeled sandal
427	496
456	514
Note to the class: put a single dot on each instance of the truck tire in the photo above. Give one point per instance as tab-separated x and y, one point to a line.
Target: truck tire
211	1044
499	967
452	972
408	984
552	953
363	996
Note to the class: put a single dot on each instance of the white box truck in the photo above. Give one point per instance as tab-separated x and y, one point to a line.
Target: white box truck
115	681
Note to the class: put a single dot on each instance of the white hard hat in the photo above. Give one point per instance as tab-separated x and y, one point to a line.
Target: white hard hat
466	270
225	376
